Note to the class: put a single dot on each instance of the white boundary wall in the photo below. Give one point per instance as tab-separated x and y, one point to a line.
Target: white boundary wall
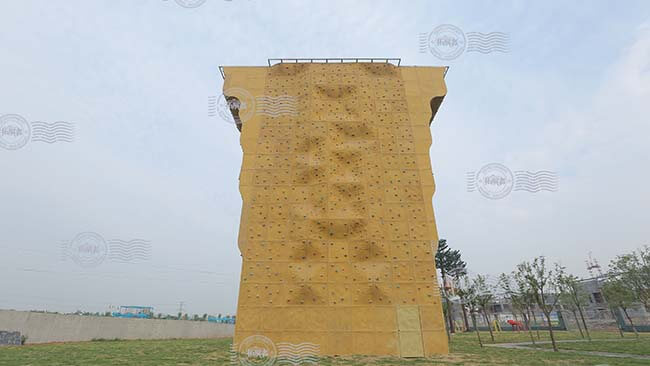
43	327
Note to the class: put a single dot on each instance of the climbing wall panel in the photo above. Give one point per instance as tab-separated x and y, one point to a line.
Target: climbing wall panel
337	231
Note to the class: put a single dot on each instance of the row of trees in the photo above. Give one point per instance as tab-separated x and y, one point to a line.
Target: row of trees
538	285
179	316
628	283
195	317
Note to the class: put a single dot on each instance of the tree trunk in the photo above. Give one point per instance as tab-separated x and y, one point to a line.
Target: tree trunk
631	322
465	317
618	325
530	332
550	330
478	334
487	320
575	315
584	323
535	322
450	316
514	315
447	327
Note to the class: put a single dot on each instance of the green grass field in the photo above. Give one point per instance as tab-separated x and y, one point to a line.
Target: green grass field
630	346
464	351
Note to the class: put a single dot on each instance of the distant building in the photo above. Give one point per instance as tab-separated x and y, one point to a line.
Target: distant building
134	312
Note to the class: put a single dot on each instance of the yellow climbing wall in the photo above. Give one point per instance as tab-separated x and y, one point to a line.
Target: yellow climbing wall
337	229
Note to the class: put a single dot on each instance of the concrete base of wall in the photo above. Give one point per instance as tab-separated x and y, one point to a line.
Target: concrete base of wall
44	328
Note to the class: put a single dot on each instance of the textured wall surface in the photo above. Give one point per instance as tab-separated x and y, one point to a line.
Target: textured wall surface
337	230
43	328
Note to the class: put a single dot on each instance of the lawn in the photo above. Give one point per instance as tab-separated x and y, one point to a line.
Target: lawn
629	345
464	351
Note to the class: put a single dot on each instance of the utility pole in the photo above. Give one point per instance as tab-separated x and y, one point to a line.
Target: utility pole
180	309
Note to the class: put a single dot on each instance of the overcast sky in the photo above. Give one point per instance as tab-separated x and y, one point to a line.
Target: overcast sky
147	162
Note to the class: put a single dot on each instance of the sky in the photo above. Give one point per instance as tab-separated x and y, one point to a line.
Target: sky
148	162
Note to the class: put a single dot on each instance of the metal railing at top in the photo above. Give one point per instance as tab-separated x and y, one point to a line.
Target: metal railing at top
395	61
275	61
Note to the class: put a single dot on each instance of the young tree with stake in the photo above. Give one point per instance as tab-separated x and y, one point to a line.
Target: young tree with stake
519	298
634	270
621	295
573	295
484	298
544	285
467	292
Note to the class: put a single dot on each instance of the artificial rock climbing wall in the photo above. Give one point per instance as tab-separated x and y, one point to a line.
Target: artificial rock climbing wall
337	229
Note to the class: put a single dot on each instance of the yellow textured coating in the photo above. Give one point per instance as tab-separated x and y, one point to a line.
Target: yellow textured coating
337	230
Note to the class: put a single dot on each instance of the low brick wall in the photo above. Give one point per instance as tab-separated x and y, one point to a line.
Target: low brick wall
43	327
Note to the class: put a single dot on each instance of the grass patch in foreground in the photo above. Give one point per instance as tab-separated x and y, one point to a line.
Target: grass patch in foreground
208	352
628	345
